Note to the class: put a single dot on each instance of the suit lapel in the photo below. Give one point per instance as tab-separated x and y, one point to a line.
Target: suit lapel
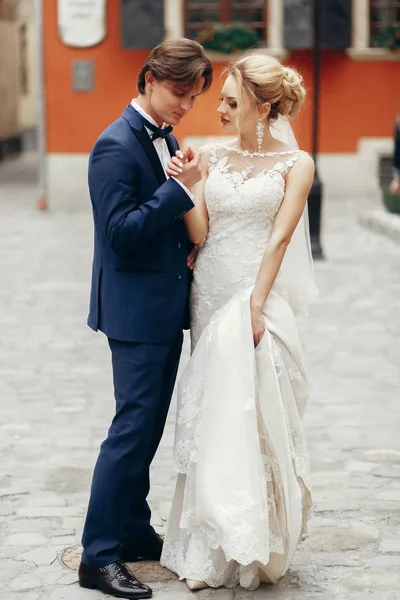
143	138
148	147
172	144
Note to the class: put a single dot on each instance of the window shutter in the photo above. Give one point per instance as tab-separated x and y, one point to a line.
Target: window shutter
298	24
335	24
142	23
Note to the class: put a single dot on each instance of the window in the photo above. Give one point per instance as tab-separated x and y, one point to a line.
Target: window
203	13
375	27
383	14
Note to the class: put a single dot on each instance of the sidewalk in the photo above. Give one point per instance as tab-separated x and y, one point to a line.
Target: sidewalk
56	404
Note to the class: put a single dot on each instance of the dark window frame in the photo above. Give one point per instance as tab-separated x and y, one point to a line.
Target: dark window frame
375	25
226	9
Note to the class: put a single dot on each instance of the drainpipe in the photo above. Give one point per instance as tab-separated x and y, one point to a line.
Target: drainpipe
41	112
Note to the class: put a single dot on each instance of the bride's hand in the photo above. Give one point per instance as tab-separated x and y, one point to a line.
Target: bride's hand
257	324
192	256
175	165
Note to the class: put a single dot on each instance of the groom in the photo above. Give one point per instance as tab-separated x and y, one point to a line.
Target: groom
139	300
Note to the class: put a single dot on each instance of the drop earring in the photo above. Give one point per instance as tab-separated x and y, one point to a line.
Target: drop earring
260	134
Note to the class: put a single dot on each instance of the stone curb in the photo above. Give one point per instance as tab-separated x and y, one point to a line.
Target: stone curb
383	222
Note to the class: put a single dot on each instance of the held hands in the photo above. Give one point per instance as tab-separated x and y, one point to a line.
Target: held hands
185	167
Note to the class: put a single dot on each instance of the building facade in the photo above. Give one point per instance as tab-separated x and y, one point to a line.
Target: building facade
359	83
18	115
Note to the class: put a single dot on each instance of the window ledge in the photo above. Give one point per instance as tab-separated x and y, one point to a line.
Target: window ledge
371	54
219	57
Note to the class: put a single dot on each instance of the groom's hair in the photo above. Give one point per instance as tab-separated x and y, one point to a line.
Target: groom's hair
181	61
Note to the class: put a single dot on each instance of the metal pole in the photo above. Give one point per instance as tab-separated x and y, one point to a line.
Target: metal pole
315	197
317	71
41	113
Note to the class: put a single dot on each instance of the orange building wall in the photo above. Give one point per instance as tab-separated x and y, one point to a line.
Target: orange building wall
358	99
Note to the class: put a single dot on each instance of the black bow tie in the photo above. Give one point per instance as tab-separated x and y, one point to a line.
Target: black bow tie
161	132
158	132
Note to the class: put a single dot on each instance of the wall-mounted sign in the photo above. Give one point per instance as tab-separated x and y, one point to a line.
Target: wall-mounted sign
81	23
82	75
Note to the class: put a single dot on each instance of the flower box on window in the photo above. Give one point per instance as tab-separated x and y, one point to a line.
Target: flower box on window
388	38
228	38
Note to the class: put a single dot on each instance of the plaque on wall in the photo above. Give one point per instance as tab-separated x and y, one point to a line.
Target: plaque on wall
82	75
81	23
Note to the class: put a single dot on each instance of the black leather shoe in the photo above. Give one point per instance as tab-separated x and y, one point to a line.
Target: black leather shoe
148	548
114	579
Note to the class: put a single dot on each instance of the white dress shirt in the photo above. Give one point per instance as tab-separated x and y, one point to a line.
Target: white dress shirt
160	145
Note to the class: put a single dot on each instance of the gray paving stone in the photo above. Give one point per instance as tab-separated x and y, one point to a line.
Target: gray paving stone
374	580
39	556
68	540
6	511
55	379
46	511
331	539
384	561
31	595
383	222
339	559
358	466
390	545
387	471
74	593
383	456
366	596
25	539
24	582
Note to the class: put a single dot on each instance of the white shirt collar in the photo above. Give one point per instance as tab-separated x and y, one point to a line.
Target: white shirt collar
144	114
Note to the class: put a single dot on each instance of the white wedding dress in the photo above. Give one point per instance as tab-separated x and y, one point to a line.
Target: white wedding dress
242	498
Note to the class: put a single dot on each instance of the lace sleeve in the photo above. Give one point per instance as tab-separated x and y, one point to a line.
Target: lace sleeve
284	167
210	156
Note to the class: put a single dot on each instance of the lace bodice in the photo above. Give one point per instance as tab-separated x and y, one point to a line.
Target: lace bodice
243	194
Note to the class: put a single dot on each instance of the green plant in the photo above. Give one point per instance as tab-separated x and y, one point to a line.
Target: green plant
391	201
227	38
388	38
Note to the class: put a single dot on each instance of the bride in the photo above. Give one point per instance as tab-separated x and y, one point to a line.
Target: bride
242	497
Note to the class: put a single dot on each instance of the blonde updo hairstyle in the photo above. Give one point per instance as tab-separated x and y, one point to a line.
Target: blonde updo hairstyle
267	81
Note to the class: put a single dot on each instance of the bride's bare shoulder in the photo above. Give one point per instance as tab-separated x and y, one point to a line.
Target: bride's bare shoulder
303	168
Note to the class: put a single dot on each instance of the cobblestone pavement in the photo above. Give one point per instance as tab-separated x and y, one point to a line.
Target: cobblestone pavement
56	404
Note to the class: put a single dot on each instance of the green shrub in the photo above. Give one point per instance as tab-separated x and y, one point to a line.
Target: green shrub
388	38
228	38
391	201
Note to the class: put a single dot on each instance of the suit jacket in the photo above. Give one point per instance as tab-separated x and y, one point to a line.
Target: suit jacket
140	280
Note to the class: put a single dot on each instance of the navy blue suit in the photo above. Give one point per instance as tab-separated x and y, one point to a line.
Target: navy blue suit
139	299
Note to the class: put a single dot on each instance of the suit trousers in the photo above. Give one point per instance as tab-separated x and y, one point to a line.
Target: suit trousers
144	377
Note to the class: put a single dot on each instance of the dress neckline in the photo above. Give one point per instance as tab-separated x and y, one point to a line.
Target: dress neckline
247	153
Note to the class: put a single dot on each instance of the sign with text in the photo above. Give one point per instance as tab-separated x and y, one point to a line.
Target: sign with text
81	23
